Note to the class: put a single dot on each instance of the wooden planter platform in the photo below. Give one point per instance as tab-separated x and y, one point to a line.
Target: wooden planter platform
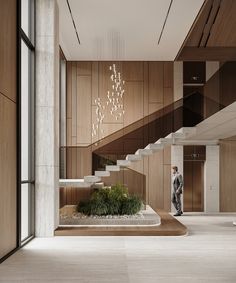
170	226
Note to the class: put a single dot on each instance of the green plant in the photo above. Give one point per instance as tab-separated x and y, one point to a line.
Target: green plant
131	205
111	201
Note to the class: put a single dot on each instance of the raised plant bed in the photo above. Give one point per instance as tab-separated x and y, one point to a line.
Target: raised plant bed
70	216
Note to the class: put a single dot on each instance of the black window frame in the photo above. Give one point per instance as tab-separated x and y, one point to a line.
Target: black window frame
30	44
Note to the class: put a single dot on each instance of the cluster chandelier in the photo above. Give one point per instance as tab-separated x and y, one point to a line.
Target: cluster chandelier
113	104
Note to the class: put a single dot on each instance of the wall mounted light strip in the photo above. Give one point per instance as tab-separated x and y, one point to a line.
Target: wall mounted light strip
167	14
76	32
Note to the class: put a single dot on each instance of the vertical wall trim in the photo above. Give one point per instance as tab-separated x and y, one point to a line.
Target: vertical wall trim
212	179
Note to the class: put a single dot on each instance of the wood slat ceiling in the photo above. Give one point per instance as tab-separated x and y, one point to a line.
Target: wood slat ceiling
213	35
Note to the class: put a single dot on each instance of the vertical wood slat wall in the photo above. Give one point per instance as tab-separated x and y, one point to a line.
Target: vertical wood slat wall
8	108
148	88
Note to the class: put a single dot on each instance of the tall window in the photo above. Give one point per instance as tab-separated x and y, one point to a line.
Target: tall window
27	119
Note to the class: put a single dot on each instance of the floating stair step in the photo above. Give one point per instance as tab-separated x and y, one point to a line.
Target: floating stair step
112	168
155	146
102	173
91	179
176	136
187	130
124	163
78	183
144	152
133	157
164	141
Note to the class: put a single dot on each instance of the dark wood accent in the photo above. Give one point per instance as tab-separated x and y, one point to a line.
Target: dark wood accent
8	49
193	186
213	34
195	152
195	34
223	30
8	128
227	83
170	226
189	53
194	72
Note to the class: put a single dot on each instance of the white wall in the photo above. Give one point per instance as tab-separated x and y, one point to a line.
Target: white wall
211	179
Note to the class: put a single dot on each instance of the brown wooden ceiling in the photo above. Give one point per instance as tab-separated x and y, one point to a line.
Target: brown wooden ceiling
213	35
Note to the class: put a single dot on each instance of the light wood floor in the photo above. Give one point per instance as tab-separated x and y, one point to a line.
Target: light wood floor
206	255
170	226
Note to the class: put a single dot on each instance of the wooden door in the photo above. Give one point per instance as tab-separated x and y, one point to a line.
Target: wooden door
193	186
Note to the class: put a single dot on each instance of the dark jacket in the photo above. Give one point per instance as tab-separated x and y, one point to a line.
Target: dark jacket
178	183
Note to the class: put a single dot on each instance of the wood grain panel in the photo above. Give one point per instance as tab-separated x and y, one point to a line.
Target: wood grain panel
168	96
133	101
105	85
8	49
223	30
198	186
188	186
156	82
207	54
167	187
84	110
153	107
7	175
132	71
148	86
168	75
68	132
84	68
74	101
8	127
145	89
196	33
156	189
94	82
69	90
227	176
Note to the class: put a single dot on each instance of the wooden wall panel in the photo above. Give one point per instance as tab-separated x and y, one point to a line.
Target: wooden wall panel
156	184
133	102
148	87
8	49
95	71
227	176
8	129
84	110
132	71
74	105
84	68
7	175
156	82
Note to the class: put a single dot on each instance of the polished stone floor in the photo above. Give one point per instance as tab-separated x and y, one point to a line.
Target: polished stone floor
207	254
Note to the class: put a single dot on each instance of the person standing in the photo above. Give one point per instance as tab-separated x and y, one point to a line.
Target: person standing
177	181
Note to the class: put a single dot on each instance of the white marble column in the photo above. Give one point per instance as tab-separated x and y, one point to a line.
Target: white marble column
47	118
177	159
212	179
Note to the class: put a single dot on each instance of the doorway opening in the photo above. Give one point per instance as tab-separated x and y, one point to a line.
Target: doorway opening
194	160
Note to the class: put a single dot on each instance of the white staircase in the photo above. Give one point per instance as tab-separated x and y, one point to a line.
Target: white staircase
172	138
